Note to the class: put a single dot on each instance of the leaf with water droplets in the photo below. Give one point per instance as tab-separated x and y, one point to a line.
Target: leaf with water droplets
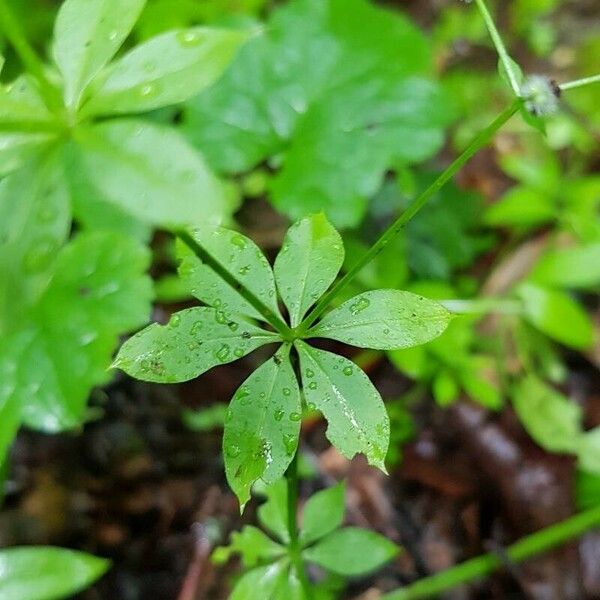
45	572
194	341
149	171
307	264
244	261
167	69
87	34
384	320
355	413
258	443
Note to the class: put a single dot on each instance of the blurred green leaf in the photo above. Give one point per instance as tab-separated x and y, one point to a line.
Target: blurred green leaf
272	514
576	267
323	512
253	546
261	583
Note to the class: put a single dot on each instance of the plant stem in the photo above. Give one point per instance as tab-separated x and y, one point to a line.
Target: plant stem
15	35
569	85
270	317
396	227
476	568
292	508
483	306
507	62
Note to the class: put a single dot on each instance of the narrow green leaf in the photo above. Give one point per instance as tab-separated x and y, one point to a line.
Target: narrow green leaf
167	69
310	258
577	267
551	419
261	583
194	341
272	514
588	451
323	512
253	546
244	261
20	101
263	425
352	552
356	416
18	147
384	320
557	315
521	206
46	572
87	34
149	171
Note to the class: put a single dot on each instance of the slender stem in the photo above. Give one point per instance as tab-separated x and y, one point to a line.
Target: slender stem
270	317
484	306
500	47
569	85
476	568
396	227
292	509
14	34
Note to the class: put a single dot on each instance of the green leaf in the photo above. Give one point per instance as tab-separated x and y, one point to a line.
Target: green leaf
46	572
87	34
522	206
35	220
338	90
352	552
311	256
19	146
551	419
263	425
168	69
261	583
323	512
98	292
384	320
557	315
253	546
194	341
588	451
577	267
20	101
272	514
356	416
244	261
150	172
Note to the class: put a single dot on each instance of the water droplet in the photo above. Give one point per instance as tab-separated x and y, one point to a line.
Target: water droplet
232	325
386	332
238	240
144	366
189	39
223	353
312	385
175	321
244	270
239	352
220	317
309	373
311	406
295	416
278	415
228	415
112	36
233	451
287	391
196	327
359	305
243	395
348	371
148	90
289	443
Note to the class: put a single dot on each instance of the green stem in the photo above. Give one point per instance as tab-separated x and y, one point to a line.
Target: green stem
569	85
484	306
292	523
396	227
500	47
270	317
476	568
15	35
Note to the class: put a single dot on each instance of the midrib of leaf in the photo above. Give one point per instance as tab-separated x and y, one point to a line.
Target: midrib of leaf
303	281
391	323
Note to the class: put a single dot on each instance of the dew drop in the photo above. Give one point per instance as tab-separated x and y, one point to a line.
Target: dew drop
309	373
233	451
238	241
148	90
196	327
239	352
386	332
232	325
278	415
220	317
244	270
359	305
286	391
289	443
295	416
175	321
348	371
112	36
311	406
312	385
223	353
189	39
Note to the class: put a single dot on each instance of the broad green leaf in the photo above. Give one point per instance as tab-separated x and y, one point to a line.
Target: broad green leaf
272	514
323	512
46	572
356	417
19	146
479	387
307	264
239	256
253	546
261	583
87	34
551	419
194	341
339	90
522	206
445	387
167	69
99	291
384	320
20	101
290	588
352	552
557	315
150	172
588	451
35	219
263	425
577	267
